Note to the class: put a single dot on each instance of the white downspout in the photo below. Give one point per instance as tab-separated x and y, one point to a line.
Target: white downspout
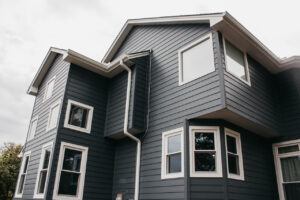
138	141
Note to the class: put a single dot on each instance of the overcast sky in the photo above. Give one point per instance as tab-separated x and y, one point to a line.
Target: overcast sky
28	28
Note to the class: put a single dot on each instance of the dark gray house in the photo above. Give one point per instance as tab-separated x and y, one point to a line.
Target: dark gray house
185	107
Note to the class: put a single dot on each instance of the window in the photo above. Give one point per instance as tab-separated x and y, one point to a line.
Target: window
236	62
287	164
205	152
172	154
70	174
79	116
22	175
42	176
53	116
49	88
196	60
32	128
235	167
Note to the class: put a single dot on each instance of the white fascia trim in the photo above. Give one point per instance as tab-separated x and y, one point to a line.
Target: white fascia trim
165	135
46	89
80	187
19	195
89	118
48	145
207	36
209	129
36	118
237	136
57	103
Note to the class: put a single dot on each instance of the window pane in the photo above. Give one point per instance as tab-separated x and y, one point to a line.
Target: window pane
292	191
233	164
290	168
288	149
231	144
174	143
198	61
32	129
235	61
205	161
53	116
204	141
72	160
68	183
42	181
78	116
174	163
26	164
21	183
46	159
50	89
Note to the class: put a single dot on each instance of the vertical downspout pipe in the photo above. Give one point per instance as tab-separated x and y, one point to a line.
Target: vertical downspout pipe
126	132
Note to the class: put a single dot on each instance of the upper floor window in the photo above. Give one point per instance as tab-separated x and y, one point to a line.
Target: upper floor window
235	167
22	174
78	116
32	128
42	176
49	88
236	62
172	154
53	116
70	173
205	152
196	60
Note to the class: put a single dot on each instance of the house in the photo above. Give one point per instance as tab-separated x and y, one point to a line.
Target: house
184	107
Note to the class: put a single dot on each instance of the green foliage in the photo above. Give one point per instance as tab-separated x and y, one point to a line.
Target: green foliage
9	169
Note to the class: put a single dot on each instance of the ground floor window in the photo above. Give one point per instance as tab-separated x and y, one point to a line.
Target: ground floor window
22	174
287	163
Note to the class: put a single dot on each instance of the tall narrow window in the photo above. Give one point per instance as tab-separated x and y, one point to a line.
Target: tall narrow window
42	176
235	167
172	154
53	116
196	59
49	88
22	175
287	164
32	128
70	176
79	116
236	62
205	152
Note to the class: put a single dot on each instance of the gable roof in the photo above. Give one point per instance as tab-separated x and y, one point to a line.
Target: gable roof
230	28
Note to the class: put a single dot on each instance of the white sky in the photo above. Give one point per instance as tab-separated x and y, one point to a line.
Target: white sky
28	28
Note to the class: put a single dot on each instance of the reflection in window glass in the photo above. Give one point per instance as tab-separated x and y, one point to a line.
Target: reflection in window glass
205	161
288	149
78	116
204	141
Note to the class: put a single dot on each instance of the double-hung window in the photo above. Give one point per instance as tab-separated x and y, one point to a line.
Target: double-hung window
53	116
49	88
205	152
172	154
32	128
22	175
78	116
234	156
42	176
287	164
71	169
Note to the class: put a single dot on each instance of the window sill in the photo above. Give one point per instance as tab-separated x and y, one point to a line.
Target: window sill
84	130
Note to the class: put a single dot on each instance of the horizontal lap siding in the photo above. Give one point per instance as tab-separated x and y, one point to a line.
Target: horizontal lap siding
91	89
170	103
60	69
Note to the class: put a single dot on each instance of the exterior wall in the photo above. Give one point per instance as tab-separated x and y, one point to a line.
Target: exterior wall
170	103
59	69
91	89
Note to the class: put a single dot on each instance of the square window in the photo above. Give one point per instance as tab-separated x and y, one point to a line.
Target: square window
49	89
78	116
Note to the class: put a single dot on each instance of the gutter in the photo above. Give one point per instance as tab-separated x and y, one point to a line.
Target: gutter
126	132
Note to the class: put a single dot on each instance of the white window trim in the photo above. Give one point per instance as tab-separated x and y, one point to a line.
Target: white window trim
57	103
36	118
209	129
89	118
182	50
278	165
84	150
165	135
44	148
46	89
19	195
237	137
248	82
